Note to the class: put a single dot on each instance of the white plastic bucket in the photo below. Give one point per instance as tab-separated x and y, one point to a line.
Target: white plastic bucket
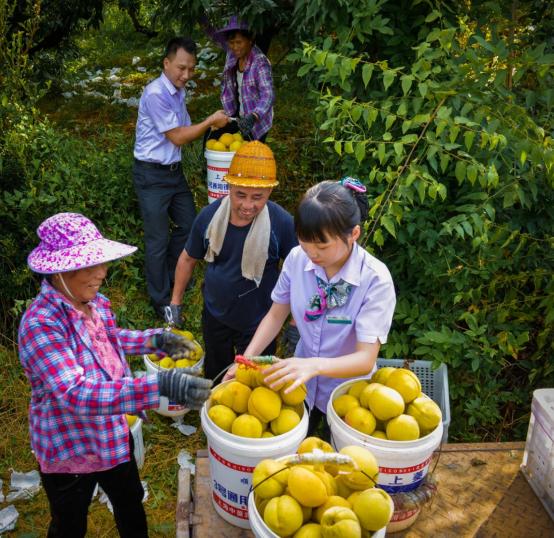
167	407
261	530
402	519
402	464
136	432
232	461
218	163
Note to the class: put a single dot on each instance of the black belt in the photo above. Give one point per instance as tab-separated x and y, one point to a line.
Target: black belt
172	167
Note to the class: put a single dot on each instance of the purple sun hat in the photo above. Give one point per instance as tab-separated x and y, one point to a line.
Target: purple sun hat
234	23
70	241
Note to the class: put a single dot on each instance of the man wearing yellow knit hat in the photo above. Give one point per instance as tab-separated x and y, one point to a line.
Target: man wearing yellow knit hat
242	237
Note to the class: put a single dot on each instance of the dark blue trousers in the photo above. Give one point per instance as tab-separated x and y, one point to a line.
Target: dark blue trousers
167	207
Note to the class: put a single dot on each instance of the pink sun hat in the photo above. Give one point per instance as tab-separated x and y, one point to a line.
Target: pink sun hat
70	241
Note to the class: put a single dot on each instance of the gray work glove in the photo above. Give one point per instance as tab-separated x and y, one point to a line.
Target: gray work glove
182	386
173	315
174	345
245	125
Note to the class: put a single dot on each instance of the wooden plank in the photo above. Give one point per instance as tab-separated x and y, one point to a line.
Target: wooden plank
182	523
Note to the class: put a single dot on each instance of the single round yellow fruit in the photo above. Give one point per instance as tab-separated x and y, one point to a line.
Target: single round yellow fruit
358	480
238	136
333	500
267	433
296	397
216	394
364	395
131	419
247	376
340	522
308	445
153	357
167	362
184	363
227	139
361	419
342	489
283	515
185	334
218	146
426	412
402	428
264	403
378	434
381	375
310	530
286	421
385	403
222	416
329	480
374	509
266	487
357	387
210	143
234	146
344	403
307	487
353	496
406	383
247	426
236	396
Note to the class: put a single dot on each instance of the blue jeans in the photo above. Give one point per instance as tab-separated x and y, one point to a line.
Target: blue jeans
167	208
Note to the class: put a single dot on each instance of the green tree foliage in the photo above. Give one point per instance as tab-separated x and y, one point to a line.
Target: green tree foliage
453	138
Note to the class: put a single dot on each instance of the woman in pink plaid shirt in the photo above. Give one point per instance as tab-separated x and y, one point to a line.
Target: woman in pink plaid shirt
73	354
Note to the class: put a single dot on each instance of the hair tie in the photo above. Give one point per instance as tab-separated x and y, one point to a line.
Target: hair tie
353	184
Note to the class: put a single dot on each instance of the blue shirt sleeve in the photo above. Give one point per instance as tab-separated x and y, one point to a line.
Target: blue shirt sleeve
196	245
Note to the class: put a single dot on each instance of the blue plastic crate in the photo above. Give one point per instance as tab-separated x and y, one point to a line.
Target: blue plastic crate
434	383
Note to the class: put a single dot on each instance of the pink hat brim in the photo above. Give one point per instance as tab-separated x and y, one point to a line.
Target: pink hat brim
47	262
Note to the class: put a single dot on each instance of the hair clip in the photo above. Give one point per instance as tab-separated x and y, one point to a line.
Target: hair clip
352	183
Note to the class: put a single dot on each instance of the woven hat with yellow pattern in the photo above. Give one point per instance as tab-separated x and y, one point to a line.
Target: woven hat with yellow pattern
253	165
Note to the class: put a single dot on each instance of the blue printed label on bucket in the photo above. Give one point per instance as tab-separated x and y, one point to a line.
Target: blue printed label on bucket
217	186
400	479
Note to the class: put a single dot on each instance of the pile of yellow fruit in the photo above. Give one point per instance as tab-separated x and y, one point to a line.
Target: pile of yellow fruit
312	501
389	406
168	362
248	408
226	142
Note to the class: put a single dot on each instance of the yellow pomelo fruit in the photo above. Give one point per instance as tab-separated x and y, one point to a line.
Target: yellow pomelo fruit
378	434
227	139
374	508
385	403
238	136
247	426
264	403
381	375
364	395
235	145
267	434
210	143
310	530
358	480
405	382
222	416
216	394
344	403
286	421
131	419
333	500
218	146
307	487
153	357
247	376
265	487
357	387
283	515
426	412
360	419
296	397
167	362
402	428
236	396
340	522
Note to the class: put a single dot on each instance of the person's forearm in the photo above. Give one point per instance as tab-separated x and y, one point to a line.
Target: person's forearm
183	274
268	329
359	363
183	135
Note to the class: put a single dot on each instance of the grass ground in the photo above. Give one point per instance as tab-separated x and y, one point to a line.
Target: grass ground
93	113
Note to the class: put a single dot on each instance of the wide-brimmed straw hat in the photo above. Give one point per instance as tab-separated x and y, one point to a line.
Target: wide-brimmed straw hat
70	241
253	165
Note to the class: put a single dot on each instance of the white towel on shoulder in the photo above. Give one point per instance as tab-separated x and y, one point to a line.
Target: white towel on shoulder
256	245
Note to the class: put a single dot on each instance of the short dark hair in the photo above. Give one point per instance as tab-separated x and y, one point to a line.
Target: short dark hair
244	33
328	210
176	43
